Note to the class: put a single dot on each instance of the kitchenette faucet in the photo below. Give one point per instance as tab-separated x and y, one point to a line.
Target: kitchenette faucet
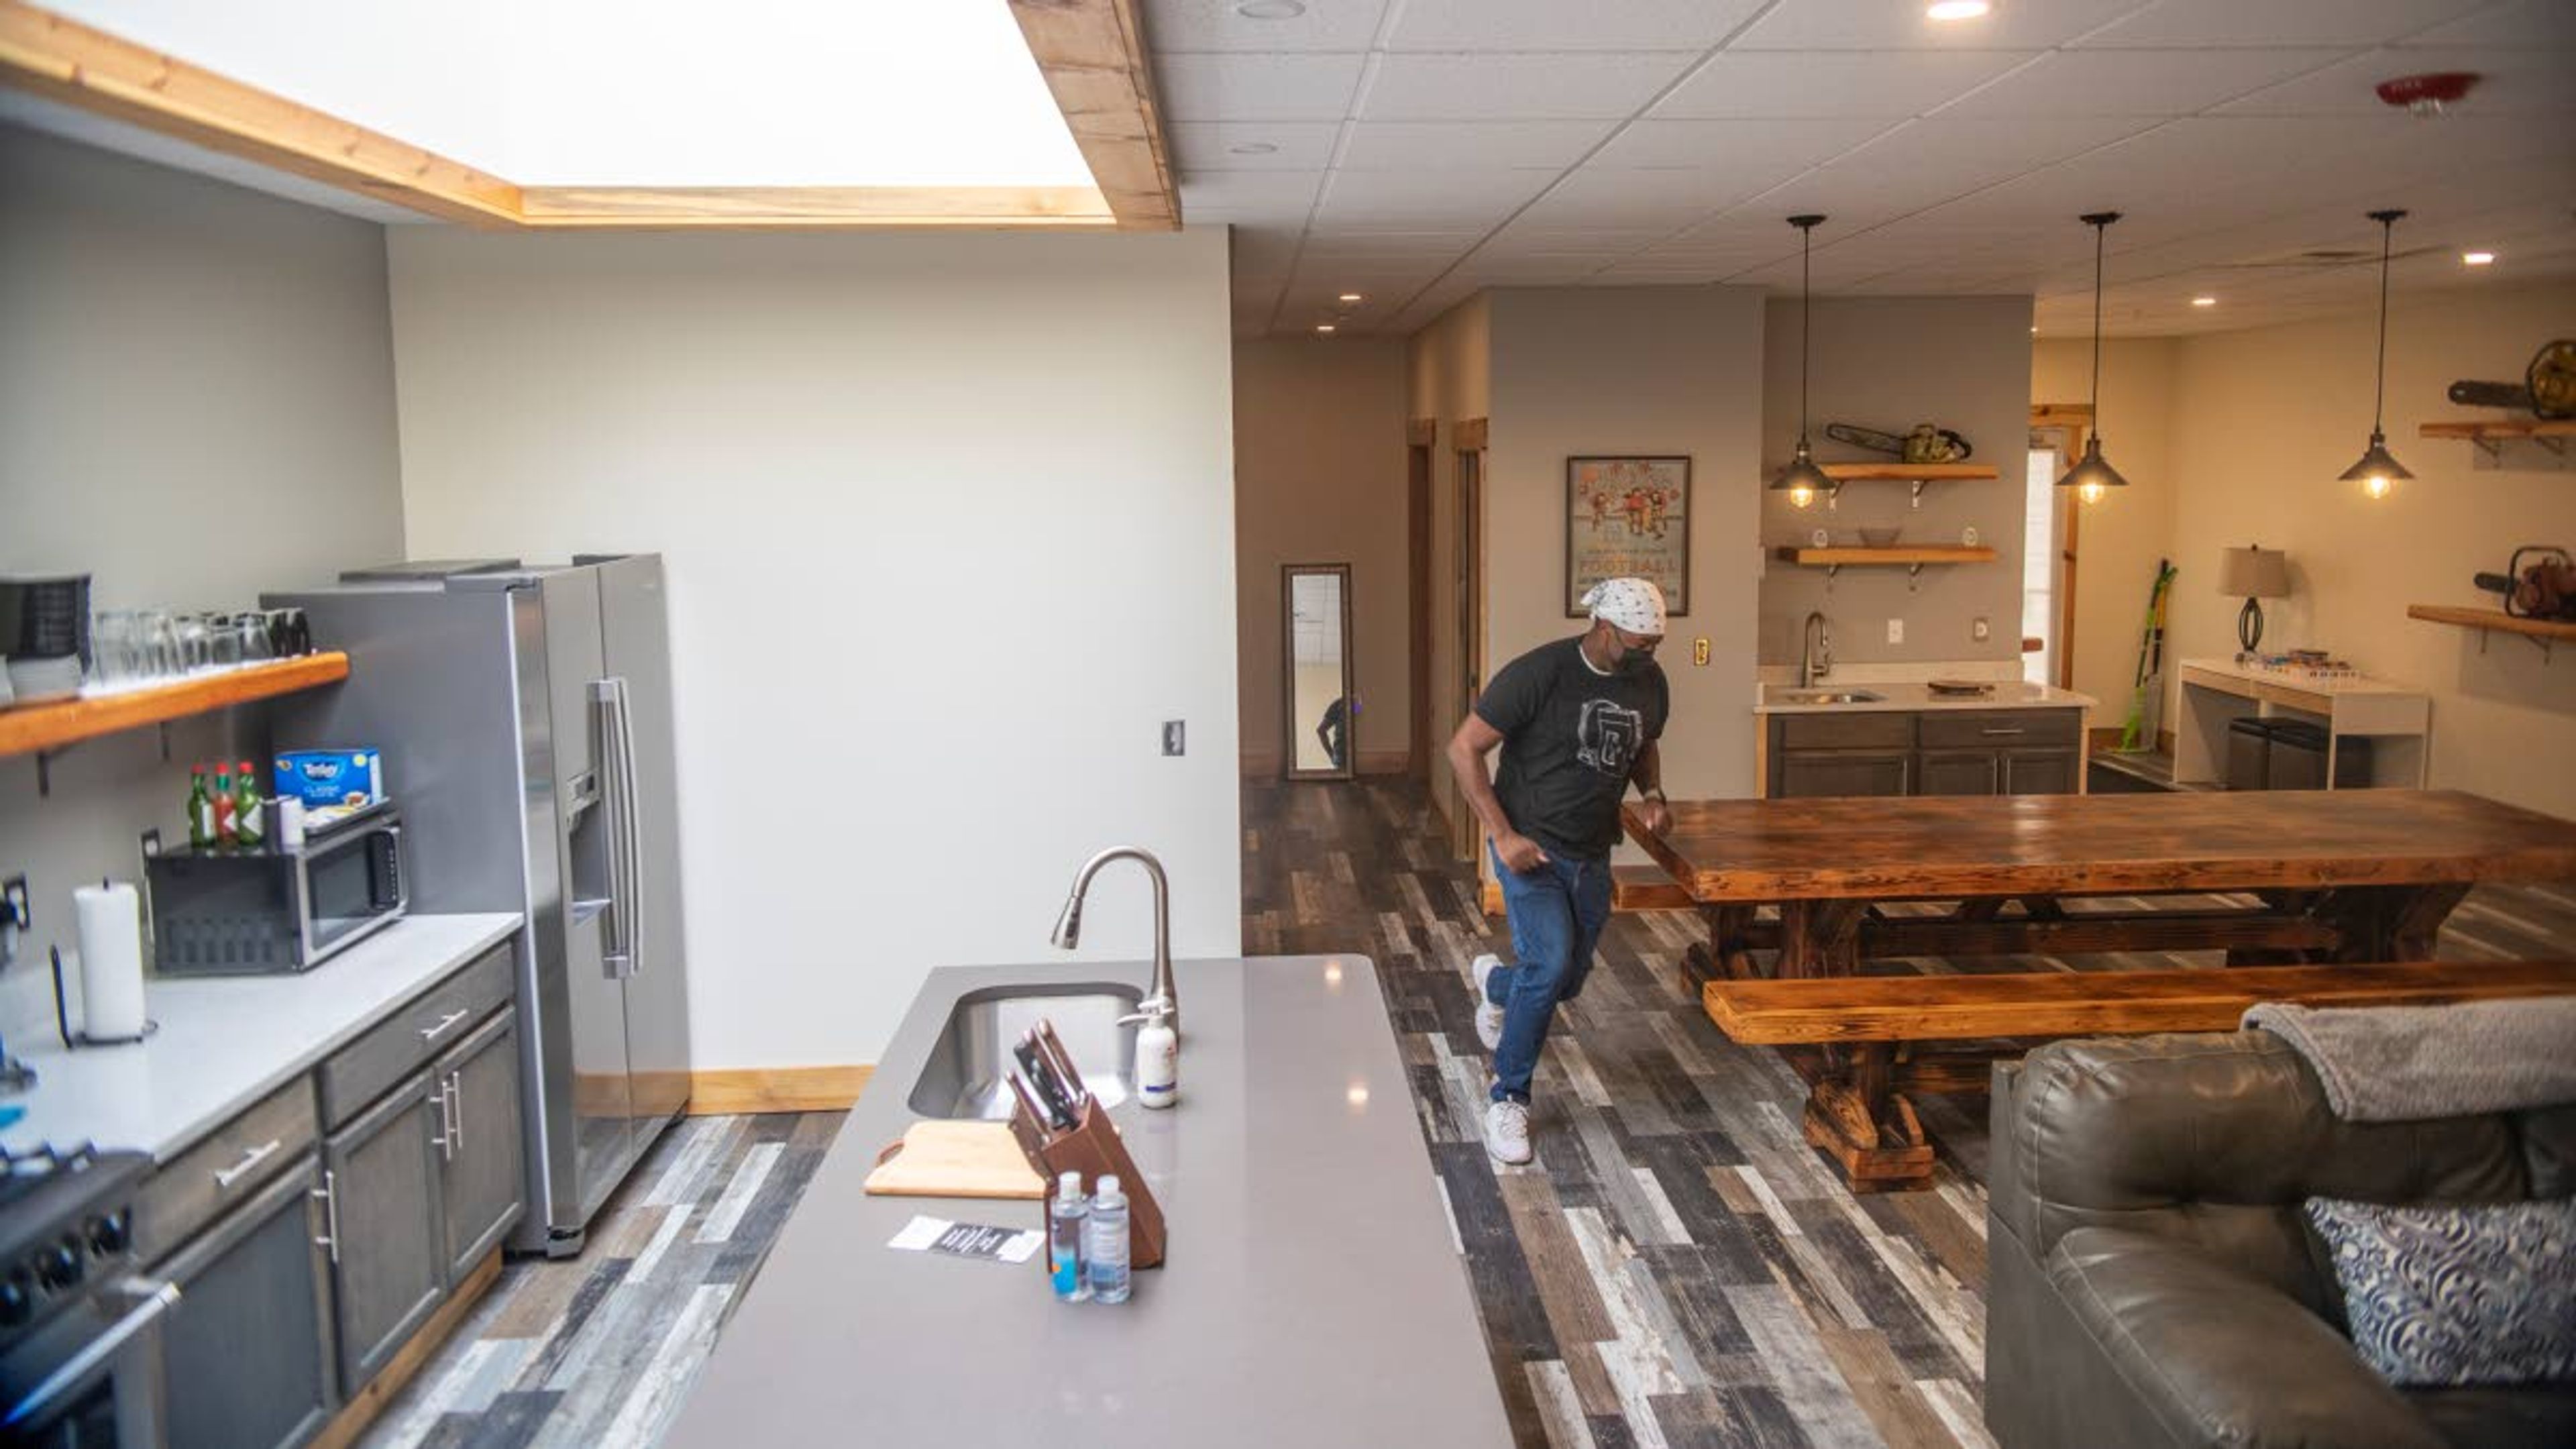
1815	651
1162	1001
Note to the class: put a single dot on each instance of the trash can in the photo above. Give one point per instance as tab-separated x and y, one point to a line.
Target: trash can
2298	758
2249	753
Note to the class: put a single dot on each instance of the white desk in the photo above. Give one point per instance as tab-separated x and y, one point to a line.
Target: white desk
2218	692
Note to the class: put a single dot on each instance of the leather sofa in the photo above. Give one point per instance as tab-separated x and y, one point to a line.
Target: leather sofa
2154	1282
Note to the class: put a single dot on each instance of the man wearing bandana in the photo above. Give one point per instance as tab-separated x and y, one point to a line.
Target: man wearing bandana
1577	721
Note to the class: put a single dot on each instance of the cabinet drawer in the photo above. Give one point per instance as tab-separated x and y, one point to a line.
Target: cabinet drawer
1999	729
225	1170
437	1019
1861	731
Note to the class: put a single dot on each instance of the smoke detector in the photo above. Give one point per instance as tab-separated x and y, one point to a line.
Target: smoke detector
2430	94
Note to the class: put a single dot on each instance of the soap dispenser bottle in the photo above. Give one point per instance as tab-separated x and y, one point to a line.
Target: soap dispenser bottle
1158	1062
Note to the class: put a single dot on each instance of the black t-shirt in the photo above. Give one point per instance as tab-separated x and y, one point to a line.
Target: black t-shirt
1570	738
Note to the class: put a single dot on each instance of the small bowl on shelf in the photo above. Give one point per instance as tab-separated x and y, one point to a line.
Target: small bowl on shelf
1879	537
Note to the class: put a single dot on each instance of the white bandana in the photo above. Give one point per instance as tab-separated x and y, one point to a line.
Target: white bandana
1635	605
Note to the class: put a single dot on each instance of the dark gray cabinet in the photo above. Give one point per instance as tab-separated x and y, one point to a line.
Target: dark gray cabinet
248	1357
1938	752
1959	772
1806	774
2039	772
481	1177
388	1246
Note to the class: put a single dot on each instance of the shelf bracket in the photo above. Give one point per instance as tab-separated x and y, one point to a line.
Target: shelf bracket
1830	571
1916	488
1834	497
45	769
2492	447
2556	446
1913	578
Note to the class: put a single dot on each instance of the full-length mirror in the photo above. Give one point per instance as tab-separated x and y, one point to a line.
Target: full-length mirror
1322	716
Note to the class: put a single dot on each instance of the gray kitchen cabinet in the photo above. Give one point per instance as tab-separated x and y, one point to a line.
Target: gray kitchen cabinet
388	1245
1933	752
248	1357
2039	772
482	1178
1807	774
1958	772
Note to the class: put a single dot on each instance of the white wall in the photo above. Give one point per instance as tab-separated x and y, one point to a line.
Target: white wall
196	403
949	525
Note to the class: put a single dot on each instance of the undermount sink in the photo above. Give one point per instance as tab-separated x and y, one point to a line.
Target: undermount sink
1830	696
965	1075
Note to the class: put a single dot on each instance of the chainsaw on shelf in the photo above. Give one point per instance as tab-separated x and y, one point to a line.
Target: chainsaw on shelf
1926	444
2547	389
2542	588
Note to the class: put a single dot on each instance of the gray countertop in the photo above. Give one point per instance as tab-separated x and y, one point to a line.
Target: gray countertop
226	1041
1914	696
1313	1292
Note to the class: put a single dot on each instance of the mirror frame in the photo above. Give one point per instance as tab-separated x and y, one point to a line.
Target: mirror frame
1288	721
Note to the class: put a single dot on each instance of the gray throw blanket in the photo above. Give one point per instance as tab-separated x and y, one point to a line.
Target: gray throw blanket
2409	1063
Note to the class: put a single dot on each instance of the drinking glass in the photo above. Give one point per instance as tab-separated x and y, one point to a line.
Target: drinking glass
191	644
111	646
158	651
250	638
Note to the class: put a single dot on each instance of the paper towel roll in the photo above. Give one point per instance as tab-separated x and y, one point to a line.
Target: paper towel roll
111	960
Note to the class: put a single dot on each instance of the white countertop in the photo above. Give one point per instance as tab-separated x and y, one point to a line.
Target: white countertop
225	1042
2300	679
1914	695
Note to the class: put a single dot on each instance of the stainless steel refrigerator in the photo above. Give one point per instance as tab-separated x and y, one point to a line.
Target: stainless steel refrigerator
525	719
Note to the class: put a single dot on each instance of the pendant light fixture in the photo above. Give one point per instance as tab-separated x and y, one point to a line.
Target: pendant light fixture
2377	472
1802	480
2092	473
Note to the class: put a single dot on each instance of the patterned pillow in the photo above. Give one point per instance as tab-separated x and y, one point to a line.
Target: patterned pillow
2441	1296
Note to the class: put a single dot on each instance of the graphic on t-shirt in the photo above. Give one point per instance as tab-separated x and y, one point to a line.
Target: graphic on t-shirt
1606	737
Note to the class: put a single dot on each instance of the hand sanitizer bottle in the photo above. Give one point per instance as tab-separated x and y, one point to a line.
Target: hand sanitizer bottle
1104	1243
1065	1218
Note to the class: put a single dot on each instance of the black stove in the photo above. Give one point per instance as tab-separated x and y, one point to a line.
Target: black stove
66	1222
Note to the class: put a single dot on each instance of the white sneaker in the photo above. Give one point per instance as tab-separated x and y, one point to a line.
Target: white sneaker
1489	1017
1507	1131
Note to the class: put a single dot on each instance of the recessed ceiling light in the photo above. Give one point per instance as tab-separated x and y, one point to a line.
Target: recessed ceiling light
2477	259
1324	327
1254	148
1271	9
1958	9
2204	301
1350	297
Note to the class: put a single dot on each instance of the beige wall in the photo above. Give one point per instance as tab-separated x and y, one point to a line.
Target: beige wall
1889	363
1448	378
196	403
2266	419
1647	370
2120	539
1319	478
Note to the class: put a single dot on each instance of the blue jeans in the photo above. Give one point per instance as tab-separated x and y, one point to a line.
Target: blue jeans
1557	913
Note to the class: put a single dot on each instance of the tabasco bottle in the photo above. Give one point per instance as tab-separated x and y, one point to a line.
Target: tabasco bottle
248	826
222	804
201	809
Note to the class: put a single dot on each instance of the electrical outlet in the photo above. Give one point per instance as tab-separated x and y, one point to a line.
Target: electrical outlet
1982	630
1175	737
13	903
1896	631
151	843
1699	651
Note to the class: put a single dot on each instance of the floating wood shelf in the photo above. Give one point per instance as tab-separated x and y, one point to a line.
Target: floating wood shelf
2543	632
2500	428
1909	472
45	728
1897	554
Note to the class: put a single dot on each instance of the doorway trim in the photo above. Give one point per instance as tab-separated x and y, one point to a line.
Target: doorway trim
2072	421
1419	436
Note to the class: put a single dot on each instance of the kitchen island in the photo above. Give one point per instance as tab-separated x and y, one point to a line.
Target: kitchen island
1314	1291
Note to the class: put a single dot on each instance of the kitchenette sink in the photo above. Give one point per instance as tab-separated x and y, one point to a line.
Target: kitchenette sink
1828	696
965	1074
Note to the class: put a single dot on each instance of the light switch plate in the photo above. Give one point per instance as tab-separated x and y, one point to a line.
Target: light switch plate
1896	631
1699	651
1175	737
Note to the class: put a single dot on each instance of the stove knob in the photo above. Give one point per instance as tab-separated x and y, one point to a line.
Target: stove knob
17	1300
59	1266
111	1234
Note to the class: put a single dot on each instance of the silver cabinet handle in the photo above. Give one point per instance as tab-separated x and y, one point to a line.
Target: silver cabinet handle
444	1136
453	1089
2000	732
226	1177
329	1193
433	1033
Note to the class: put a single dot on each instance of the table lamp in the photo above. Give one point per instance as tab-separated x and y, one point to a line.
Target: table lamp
2253	574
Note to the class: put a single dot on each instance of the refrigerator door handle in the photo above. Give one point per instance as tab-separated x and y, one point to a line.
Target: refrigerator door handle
630	887
617	938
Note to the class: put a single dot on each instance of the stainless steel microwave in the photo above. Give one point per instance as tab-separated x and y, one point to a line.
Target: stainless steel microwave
251	912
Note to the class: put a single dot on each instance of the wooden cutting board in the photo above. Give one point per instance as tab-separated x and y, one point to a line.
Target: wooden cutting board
955	1159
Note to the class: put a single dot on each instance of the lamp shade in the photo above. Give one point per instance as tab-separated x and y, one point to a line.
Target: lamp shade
2254	573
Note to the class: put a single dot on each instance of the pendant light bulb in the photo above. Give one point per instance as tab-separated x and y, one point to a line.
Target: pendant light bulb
2093	474
2379	472
1802	480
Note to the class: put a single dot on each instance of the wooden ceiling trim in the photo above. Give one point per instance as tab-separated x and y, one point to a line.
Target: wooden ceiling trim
1092	53
65	61
811	208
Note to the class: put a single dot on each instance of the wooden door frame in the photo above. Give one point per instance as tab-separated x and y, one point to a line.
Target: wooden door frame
1419	436
1288	718
2074	420
1469	443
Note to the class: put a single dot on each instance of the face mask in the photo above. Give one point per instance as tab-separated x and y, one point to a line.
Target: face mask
1635	661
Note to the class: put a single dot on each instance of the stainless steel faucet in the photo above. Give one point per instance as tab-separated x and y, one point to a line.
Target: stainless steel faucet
1815	650
1162	999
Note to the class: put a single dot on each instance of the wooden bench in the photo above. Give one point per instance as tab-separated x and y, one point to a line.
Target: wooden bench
1632	888
1857	1108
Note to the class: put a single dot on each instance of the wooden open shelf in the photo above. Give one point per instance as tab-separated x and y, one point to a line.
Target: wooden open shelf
2497	620
2497	429
1909	472
1896	554
48	727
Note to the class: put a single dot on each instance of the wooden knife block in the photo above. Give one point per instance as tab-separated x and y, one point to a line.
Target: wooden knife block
1091	1146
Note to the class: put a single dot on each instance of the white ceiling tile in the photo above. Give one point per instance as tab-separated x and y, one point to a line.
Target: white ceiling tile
1636	197
2515	83
1222	145
1534	271
2536	24
1203	87
1398	199
1902	25
1523	234
1273	196
2279	22
1177	25
1889	83
2136	82
1772	148
1561	87
1479	25
1924	163
1432	145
